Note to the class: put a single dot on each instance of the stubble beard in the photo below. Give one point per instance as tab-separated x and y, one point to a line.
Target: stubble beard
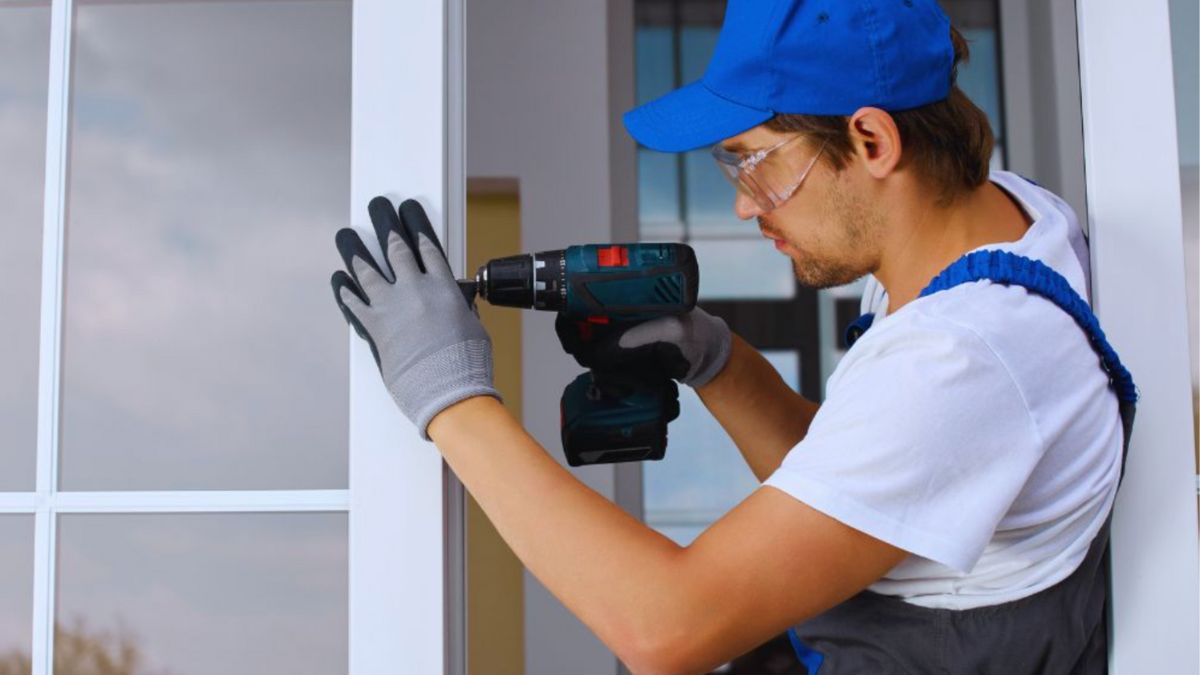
817	274
855	229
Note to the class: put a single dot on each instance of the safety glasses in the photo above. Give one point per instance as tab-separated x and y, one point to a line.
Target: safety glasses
768	176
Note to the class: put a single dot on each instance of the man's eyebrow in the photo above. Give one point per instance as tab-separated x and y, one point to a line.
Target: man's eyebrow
740	148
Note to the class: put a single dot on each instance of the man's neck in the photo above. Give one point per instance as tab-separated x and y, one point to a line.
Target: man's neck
926	238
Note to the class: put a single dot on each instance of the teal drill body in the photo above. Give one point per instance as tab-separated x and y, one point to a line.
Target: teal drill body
632	282
623	282
616	414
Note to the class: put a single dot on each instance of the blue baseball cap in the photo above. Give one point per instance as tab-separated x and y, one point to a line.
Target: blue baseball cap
811	57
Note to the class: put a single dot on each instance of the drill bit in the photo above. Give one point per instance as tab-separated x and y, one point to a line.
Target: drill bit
469	288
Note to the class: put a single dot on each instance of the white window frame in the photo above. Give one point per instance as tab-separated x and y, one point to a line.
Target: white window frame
406	526
1134	209
404	507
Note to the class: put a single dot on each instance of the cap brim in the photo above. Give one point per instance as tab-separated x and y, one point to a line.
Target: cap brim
690	117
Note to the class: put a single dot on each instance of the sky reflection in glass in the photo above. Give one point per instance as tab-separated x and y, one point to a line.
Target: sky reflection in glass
24	53
210	149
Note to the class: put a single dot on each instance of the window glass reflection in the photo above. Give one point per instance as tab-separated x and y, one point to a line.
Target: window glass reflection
743	268
658	183
655	55
710	196
658	188
703	474
16	593
236	594
696	46
209	170
24	53
979	78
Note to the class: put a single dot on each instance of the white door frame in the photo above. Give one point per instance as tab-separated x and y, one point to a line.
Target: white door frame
1134	207
406	527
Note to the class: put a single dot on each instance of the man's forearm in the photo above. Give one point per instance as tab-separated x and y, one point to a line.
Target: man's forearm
618	576
762	414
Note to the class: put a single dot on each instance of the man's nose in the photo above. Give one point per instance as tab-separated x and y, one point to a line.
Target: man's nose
744	206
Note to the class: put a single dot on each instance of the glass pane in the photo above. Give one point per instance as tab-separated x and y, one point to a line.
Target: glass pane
16	593
703	474
743	269
252	594
696	47
210	148
654	54
24	51
658	185
658	188
979	78
709	195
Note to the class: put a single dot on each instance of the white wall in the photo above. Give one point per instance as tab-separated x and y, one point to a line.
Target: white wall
544	94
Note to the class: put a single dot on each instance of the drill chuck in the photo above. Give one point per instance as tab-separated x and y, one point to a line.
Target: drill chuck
528	281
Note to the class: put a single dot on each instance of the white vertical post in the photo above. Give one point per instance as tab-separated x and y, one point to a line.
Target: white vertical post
1137	266
53	216
455	243
399	149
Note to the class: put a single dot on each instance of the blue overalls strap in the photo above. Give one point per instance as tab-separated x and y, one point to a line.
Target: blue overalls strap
811	658
1007	268
857	327
1010	269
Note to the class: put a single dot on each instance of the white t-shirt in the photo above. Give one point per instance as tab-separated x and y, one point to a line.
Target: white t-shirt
973	428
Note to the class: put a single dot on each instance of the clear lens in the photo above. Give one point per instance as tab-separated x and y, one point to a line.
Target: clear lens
758	191
741	177
741	182
769	176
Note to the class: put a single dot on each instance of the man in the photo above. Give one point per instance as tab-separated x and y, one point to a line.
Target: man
945	509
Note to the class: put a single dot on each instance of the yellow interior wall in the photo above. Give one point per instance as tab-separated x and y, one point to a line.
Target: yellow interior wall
495	580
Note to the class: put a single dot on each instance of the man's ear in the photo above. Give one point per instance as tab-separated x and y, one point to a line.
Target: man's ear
876	140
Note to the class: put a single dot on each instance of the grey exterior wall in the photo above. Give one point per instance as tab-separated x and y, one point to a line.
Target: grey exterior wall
546	83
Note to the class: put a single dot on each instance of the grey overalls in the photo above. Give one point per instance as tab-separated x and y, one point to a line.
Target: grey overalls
1061	629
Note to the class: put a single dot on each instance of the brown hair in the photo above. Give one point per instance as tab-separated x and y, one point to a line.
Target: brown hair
948	143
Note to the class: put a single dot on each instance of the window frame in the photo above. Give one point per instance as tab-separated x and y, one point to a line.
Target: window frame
1134	210
404	507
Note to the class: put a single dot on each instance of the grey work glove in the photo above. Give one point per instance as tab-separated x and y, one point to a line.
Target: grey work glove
430	347
691	348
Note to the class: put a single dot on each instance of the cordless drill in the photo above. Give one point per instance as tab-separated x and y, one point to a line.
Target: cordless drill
618	413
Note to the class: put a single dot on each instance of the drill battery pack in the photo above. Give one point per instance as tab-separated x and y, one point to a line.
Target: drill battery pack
617	417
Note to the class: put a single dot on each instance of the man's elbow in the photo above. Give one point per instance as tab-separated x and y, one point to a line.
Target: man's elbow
663	651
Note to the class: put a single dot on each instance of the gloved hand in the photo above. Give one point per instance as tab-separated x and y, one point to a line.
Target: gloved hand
430	347
691	348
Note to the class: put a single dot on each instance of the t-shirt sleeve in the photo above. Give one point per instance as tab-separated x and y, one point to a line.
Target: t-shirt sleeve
924	441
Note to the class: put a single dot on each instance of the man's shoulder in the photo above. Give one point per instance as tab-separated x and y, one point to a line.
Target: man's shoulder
938	340
978	339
